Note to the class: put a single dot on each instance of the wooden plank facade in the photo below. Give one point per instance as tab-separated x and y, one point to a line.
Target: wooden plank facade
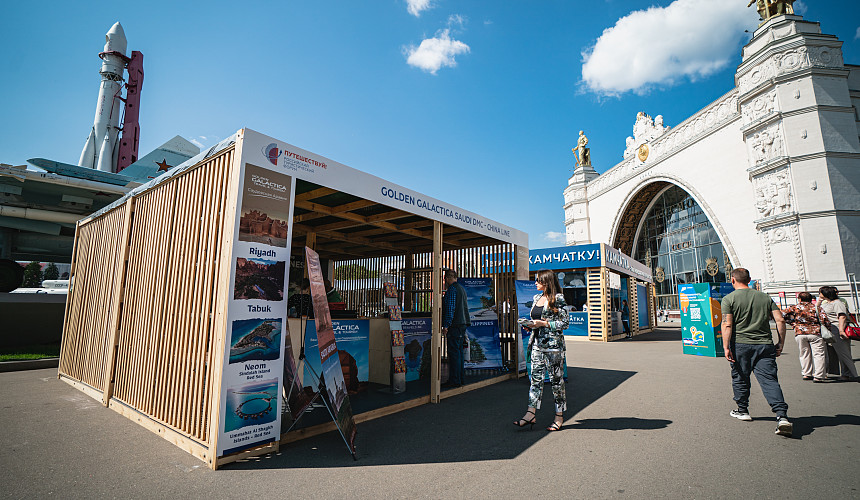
146	321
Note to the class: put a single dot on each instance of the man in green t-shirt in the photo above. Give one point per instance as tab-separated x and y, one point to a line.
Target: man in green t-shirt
749	347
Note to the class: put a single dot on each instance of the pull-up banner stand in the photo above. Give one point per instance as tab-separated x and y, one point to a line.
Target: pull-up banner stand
332	387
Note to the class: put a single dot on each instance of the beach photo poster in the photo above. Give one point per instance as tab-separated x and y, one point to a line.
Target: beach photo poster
480	298
251	404
255	339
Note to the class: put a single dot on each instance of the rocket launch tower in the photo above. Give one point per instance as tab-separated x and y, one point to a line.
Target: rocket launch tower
104	150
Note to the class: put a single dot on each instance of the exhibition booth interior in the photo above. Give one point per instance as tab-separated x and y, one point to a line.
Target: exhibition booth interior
596	280
188	310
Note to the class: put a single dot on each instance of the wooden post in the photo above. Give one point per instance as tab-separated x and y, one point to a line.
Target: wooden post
436	307
407	282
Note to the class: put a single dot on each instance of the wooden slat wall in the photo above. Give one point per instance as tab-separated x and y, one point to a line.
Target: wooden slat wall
91	306
165	355
598	304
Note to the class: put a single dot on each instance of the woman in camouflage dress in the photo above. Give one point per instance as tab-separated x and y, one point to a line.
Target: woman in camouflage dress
546	344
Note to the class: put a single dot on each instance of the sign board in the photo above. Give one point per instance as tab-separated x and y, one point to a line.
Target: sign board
253	364
701	317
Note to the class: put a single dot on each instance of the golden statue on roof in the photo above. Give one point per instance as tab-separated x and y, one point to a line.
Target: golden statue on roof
772	8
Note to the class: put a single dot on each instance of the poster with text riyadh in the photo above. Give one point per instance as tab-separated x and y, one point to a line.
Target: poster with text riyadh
331	378
485	348
253	363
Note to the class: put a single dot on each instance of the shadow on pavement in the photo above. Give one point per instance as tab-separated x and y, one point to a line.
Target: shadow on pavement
470	427
659	335
804	426
619	424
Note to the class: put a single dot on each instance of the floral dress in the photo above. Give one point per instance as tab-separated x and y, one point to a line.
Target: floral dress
803	319
547	352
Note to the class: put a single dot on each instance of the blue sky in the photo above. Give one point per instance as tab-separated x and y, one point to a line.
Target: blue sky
475	103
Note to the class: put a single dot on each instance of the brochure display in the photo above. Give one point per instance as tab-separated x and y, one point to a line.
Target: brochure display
398	359
701	317
485	348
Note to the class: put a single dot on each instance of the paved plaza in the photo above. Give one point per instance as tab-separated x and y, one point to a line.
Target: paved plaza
644	421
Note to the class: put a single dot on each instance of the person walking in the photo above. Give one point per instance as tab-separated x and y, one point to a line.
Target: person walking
455	319
834	316
749	348
811	348
549	319
625	318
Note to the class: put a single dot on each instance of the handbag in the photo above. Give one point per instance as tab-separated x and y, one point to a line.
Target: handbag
826	334
852	331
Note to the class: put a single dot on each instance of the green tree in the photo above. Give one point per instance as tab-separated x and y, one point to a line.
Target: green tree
354	272
33	275
51	271
476	352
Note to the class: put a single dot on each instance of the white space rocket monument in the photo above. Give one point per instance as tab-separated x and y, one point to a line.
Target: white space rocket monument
102	149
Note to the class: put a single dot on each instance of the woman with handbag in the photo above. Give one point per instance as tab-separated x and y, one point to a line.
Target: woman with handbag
807	332
834	316
548	320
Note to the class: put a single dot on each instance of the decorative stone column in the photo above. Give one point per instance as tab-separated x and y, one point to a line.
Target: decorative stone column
799	127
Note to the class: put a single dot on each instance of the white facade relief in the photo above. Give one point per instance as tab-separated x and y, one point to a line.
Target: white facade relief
783	254
765	144
758	108
788	61
773	194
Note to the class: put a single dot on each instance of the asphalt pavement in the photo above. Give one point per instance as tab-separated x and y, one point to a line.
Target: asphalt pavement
644	421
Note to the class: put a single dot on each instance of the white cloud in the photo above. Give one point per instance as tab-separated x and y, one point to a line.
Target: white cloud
436	52
857	35
196	142
800	8
554	236
415	7
662	45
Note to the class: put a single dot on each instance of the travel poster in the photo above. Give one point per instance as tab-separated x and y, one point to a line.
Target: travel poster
701	318
252	368
525	290
265	212
417	338
332	375
255	339
353	344
485	347
642	299
577	324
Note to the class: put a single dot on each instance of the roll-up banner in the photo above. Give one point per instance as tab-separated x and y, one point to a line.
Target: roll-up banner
331	376
253	363
485	348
